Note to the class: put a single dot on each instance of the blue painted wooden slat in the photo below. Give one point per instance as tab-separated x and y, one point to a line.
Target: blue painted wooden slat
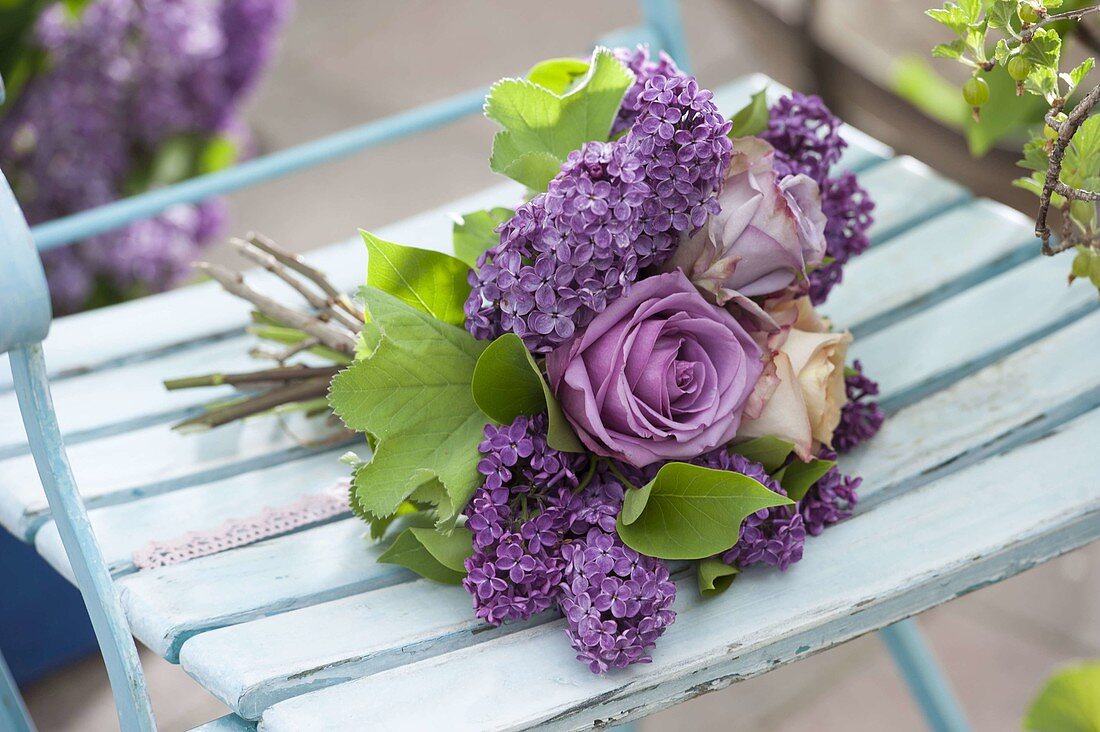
228	723
858	576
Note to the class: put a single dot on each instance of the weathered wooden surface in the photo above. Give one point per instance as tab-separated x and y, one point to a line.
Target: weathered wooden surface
971	335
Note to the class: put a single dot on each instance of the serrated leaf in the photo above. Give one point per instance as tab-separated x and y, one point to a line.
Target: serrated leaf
1002	14
474	233
1001	51
1043	49
771	452
451	548
714	576
541	127
799	477
408	551
948	50
752	119
1068	702
1080	72
432	282
972	9
950	16
558	74
412	396
507	383
1035	155
690	512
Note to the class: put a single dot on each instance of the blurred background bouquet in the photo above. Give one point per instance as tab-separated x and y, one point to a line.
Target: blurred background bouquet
108	98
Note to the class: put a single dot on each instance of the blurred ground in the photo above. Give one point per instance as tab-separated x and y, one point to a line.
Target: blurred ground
348	61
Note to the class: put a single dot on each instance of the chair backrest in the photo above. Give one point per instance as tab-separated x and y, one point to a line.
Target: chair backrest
24	300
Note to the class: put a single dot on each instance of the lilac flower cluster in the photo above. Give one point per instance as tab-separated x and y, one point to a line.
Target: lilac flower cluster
806	138
860	418
614	209
644	68
119	81
616	602
830	499
773	536
542	538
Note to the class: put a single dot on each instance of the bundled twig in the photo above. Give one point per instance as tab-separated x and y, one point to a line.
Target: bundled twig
329	327
1066	129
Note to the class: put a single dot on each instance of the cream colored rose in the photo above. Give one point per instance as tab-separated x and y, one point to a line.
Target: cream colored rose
805	407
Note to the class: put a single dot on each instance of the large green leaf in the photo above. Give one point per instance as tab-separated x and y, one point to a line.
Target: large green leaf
1070	701
541	127
412	396
691	512
432	282
476	232
430	554
507	383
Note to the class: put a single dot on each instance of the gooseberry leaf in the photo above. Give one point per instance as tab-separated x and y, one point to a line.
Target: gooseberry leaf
1069	702
432	282
542	127
507	383
558	74
714	576
412	398
752	119
1044	48
691	512
476	232
431	554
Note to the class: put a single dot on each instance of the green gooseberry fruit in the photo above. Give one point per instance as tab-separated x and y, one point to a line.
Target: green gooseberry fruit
1018	68
976	91
1028	13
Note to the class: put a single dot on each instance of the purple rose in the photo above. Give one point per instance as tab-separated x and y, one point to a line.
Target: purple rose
661	374
766	235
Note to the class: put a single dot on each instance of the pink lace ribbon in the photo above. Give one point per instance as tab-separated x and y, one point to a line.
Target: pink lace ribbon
237	532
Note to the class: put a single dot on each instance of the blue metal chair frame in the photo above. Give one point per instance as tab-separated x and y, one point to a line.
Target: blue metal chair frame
26	315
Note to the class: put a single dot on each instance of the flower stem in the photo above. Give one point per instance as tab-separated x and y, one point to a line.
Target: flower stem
619	474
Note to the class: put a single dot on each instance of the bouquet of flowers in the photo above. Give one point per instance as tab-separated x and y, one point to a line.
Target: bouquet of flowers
621	375
108	98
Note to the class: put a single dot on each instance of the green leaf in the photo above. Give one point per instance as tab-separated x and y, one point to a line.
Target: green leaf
409	550
1044	48
432	282
412	397
691	512
1081	71
954	49
752	119
771	452
1069	702
558	74
1035	155
451	549
474	233
507	383
798	477
541	128
950	16
1002	14
714	576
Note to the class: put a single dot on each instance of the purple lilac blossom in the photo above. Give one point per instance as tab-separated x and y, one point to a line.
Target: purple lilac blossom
860	418
806	137
542	539
644	68
121	80
773	536
614	209
830	499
